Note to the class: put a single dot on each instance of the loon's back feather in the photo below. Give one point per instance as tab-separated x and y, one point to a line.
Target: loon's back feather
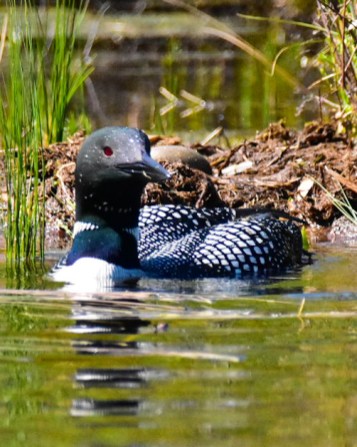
184	242
162	224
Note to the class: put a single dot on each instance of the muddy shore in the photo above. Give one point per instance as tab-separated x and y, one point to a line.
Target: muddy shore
275	170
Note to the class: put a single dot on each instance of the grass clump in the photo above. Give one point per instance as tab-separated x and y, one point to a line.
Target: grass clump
337	61
44	73
343	205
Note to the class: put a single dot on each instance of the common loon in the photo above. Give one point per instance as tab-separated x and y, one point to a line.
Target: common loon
117	242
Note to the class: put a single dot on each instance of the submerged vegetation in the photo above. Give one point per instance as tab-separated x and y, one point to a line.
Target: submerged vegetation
43	76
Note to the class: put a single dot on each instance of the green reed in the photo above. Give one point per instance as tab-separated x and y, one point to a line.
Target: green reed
340	202
335	31
43	76
337	61
260	80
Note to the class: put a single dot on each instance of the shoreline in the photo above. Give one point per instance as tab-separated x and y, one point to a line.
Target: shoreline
275	170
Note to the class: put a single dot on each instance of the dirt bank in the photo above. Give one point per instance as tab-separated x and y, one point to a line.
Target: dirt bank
275	169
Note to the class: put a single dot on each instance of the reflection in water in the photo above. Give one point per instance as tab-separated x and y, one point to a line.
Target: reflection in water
92	378
238	365
91	407
113	378
218	288
107	328
235	90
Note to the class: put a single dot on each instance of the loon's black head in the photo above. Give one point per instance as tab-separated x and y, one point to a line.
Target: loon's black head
113	166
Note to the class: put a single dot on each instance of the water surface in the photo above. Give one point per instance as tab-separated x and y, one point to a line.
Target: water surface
249	363
209	81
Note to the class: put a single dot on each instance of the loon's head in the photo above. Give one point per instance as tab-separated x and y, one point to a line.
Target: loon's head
113	166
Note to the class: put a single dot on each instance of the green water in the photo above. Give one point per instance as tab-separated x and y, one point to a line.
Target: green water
179	51
213	82
214	363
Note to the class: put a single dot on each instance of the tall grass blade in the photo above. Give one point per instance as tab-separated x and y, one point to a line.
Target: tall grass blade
337	61
43	76
343	205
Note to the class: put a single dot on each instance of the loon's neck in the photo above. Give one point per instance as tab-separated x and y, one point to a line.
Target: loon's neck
107	229
109	205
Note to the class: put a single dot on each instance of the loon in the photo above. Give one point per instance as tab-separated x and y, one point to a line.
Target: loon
115	242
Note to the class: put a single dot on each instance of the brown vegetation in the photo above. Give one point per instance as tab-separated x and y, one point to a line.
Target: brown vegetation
276	169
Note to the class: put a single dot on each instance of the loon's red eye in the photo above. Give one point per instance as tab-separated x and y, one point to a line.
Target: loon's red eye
108	151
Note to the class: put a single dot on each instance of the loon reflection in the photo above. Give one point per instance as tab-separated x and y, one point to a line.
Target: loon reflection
118	320
111	329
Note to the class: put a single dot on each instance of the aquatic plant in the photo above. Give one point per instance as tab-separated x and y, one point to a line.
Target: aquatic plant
189	92
43	76
337	61
341	203
217	28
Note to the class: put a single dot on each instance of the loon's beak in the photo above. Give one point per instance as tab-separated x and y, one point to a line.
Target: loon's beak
148	168
153	171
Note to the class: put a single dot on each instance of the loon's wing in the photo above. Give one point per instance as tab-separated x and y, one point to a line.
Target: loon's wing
160	224
187	243
256	246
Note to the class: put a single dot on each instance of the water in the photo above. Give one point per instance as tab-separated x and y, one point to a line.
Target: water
214	82
167	363
180	51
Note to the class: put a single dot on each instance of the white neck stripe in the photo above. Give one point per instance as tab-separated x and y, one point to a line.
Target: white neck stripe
84	226
79	227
